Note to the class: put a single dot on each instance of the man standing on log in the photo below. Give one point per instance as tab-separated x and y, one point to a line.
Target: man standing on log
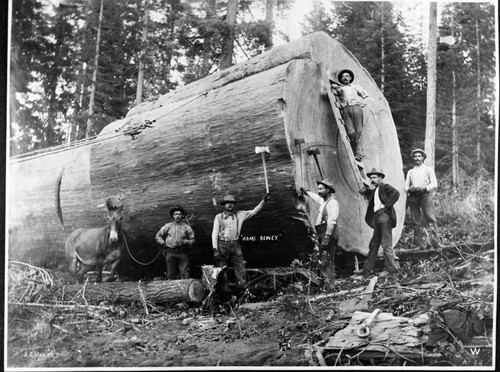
352	99
381	217
326	225
226	236
420	181
176	238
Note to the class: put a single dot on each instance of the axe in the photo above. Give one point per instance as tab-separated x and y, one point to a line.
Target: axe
315	153
261	151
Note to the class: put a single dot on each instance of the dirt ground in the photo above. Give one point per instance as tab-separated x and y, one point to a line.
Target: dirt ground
44	332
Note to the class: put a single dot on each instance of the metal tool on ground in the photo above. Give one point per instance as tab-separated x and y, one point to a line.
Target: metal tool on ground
262	150
315	153
364	329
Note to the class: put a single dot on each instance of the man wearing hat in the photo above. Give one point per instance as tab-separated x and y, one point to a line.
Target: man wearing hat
381	217
226	236
420	181
326	222
352	99
176	237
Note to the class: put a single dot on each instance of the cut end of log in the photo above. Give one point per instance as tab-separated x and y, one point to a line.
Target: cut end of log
196	291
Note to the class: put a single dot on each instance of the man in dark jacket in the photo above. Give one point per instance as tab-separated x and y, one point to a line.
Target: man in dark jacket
381	217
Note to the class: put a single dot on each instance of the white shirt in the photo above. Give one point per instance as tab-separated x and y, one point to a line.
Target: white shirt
332	211
377	204
421	176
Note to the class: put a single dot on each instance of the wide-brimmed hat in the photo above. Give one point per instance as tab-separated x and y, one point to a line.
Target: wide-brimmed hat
378	171
420	151
179	209
344	71
326	182
228	199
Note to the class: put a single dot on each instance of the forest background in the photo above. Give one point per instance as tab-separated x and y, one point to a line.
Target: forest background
78	65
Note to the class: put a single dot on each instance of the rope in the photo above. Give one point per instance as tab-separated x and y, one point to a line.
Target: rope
91	140
130	254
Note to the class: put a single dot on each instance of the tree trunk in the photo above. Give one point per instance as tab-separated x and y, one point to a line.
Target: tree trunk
156	291
202	147
140	76
430	125
382	53
228	43
478	96
270	22
94	75
455	165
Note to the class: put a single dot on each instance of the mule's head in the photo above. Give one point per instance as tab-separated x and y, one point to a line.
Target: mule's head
114	218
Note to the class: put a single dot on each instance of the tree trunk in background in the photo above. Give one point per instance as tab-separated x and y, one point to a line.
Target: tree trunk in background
270	22
478	72
94	75
140	76
228	44
430	125
382	55
454	151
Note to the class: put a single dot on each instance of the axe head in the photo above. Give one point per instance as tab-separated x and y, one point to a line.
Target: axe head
261	149
313	152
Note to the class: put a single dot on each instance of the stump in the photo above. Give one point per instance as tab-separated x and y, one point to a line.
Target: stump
157	291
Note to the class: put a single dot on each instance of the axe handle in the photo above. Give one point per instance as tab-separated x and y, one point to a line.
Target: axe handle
265	171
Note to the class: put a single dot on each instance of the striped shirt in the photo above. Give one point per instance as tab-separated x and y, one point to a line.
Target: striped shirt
227	225
174	235
328	211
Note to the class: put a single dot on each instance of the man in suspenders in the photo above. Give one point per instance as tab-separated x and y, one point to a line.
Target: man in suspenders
226	236
326	223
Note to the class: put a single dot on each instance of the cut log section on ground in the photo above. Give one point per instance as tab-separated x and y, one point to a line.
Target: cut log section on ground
157	291
390	337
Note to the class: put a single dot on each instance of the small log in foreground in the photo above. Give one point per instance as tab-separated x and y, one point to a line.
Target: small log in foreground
156	291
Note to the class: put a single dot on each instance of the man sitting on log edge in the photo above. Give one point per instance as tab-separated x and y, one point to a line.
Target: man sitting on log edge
226	236
176	238
352	99
326	225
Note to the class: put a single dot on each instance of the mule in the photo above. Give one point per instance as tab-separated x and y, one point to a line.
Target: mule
95	248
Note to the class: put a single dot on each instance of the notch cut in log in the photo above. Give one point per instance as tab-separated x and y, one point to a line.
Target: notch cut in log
156	291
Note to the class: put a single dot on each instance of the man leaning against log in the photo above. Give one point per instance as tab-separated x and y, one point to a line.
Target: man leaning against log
381	217
176	238
226	236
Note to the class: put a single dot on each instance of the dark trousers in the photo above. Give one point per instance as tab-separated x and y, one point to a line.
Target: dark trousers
177	264
421	205
231	255
327	256
382	236
353	119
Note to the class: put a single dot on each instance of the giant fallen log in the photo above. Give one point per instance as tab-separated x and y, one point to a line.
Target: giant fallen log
154	292
198	145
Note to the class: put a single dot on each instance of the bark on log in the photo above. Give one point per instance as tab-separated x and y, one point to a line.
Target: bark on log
200	148
157	291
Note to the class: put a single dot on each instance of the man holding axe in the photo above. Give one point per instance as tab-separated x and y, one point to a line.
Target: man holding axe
326	224
226	236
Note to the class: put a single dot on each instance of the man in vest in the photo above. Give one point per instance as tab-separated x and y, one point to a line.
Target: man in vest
420	181
352	99
176	237
226	236
326	224
381	217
